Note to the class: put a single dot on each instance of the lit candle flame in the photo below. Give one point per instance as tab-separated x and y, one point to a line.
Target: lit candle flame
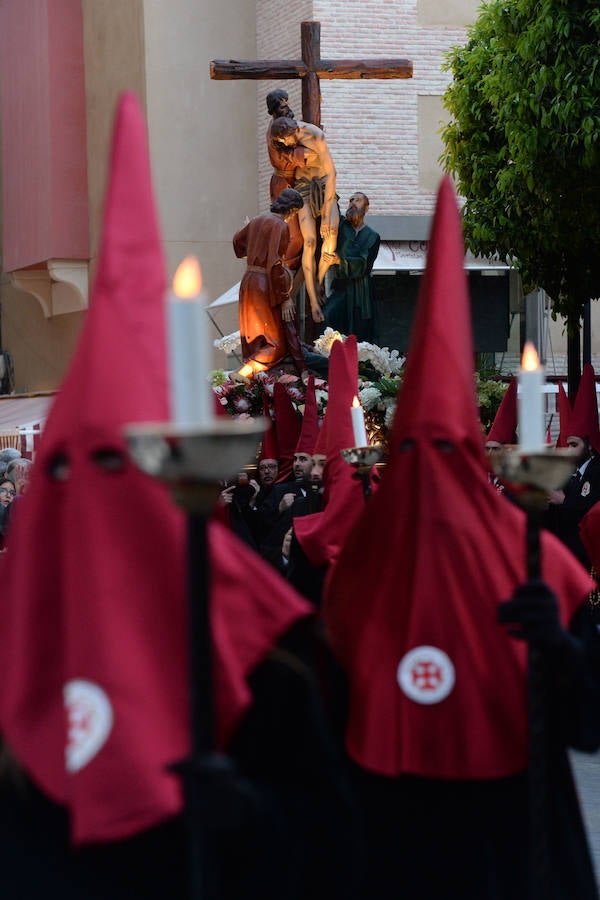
530	360
250	368
355	403
187	282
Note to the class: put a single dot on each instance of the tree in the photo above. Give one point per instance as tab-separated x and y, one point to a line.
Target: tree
524	143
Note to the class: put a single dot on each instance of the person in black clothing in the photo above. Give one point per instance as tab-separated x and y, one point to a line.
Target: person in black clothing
567	507
287	501
293	832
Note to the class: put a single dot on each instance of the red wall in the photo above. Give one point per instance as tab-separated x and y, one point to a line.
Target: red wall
42	109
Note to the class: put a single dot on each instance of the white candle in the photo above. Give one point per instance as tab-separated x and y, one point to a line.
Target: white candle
531	401
358	424
189	347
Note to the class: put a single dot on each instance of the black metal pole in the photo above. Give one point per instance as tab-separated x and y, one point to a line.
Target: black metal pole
573	359
194	770
201	689
540	884
587	332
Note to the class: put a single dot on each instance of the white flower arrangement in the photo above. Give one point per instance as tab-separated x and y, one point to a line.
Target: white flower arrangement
389	416
229	343
385	361
369	397
324	343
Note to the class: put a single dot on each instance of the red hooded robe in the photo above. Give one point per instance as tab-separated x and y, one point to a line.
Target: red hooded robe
93	632
411	606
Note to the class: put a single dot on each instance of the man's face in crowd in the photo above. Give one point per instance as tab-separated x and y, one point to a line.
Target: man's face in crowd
318	464
302	465
267	471
577	447
493	448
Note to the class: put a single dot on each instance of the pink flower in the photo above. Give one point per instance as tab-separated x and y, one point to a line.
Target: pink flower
241	404
287	379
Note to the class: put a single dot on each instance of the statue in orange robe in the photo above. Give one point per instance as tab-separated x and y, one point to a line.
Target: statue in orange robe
267	315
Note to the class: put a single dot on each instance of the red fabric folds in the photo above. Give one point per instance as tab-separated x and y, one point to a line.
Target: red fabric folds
583	421
564	412
504	426
94	613
269	448
310	421
321	535
288	424
433	553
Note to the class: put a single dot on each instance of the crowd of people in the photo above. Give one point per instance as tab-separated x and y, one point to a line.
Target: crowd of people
14	476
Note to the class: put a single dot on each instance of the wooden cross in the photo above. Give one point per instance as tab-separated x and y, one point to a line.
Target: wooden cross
310	68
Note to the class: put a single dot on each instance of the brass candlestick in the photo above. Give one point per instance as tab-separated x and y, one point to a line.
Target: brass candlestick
533	473
193	461
529	476
362	459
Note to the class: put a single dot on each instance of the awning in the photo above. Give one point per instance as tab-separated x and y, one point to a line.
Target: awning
393	256
406	256
230	296
23	411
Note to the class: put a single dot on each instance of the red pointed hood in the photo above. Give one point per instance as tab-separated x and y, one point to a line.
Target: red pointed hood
288	424
343	388
310	421
437	400
269	448
583	422
564	412
411	605
321	442
504	426
101	618
321	535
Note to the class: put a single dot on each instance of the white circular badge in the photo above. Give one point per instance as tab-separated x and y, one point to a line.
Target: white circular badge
426	674
90	721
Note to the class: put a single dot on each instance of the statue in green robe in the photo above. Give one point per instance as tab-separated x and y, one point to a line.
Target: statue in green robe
349	306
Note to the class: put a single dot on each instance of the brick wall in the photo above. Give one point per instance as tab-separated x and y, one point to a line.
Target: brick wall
371	126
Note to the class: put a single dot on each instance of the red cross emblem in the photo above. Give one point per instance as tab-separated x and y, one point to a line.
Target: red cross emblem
89	722
426	674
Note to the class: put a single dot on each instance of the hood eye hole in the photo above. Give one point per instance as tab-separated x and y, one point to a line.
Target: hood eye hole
109	459
406	445
59	467
445	446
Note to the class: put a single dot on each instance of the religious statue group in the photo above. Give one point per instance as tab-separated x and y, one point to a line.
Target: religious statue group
297	243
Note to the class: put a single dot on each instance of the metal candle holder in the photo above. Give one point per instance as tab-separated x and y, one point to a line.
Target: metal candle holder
529	476
362	459
533	473
192	461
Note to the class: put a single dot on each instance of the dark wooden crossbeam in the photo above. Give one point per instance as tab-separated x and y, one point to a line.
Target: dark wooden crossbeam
310	69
